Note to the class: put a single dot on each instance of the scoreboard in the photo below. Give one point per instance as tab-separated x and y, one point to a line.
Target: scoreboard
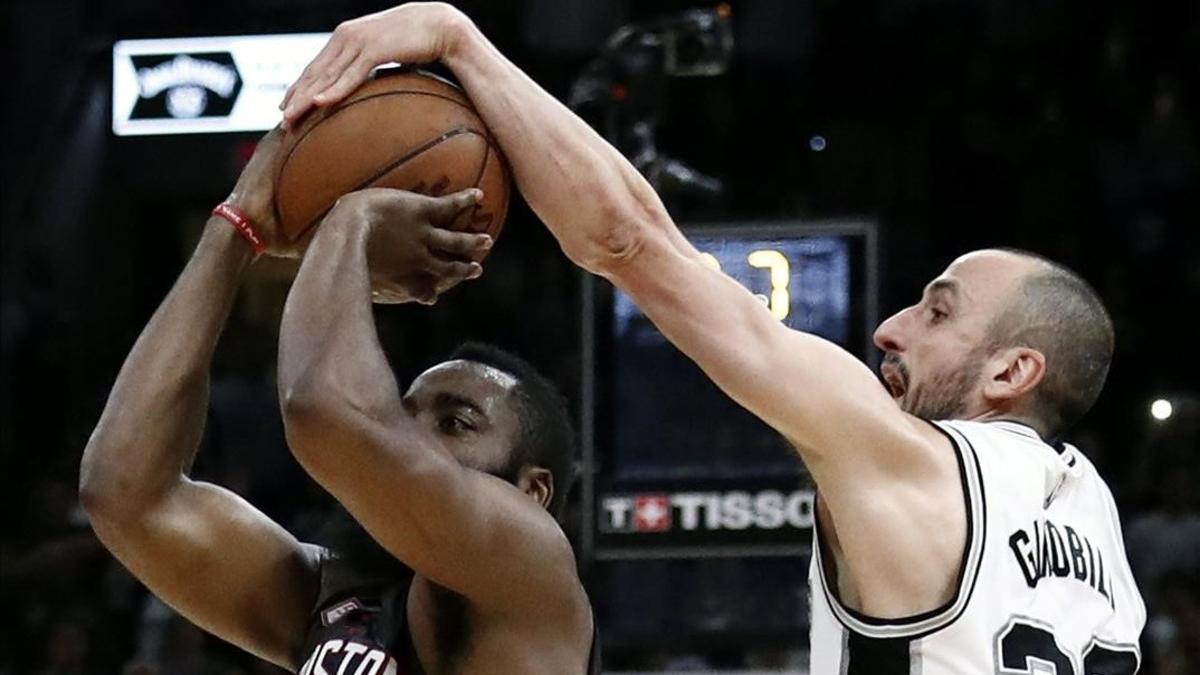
680	468
682	478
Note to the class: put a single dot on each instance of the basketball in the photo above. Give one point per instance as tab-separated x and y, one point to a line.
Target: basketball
408	130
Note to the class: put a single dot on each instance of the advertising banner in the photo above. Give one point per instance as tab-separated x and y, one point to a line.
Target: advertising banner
208	84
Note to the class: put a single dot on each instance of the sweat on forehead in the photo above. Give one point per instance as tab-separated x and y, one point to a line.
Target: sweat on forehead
472	370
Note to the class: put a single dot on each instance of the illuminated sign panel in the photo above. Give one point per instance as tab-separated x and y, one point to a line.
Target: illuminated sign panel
670	421
707	511
210	84
681	470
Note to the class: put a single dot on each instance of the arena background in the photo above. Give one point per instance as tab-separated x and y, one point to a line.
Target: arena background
1065	127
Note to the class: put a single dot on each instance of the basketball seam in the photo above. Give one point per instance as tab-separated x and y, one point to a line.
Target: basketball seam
397	162
300	141
501	212
506	179
505	174
407	91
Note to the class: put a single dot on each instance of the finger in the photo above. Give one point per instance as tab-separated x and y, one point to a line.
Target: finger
454	269
451	205
330	51
336	68
458	244
318	80
348	80
291	91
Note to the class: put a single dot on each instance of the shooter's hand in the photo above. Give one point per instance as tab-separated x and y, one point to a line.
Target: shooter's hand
412	253
254	194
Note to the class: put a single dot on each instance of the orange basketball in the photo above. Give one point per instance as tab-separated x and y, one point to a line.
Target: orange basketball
408	130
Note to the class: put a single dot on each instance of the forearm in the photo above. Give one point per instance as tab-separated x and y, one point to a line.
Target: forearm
330	359
590	197
151	426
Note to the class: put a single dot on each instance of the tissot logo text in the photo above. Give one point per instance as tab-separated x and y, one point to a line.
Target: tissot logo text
706	511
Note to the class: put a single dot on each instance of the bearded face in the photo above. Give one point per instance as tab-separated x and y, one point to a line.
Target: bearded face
936	351
941	394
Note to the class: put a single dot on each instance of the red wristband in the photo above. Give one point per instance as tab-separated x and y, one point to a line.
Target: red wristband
242	224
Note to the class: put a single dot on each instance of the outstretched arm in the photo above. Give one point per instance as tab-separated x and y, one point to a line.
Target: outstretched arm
202	549
608	220
390	467
878	468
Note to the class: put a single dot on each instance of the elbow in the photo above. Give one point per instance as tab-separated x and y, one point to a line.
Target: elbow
112	491
304	398
120	481
614	245
105	511
92	498
103	492
296	402
310	421
301	412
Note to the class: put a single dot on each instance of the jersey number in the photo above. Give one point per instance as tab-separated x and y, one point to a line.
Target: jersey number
1027	647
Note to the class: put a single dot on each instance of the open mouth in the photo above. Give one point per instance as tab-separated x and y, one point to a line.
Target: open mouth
893	379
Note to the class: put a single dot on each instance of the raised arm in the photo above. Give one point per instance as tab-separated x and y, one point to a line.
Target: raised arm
388	465
202	549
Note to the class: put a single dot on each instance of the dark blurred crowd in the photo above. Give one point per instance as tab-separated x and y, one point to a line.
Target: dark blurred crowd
1062	127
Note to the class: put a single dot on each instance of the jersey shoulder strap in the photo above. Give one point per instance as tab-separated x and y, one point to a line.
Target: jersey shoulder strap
926	623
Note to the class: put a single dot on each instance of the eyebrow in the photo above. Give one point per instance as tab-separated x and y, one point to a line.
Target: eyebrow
947	286
450	400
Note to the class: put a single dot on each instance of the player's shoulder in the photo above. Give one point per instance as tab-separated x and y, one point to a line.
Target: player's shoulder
1012	439
1009	449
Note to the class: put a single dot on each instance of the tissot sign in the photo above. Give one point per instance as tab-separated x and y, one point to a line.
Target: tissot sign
193	85
706	517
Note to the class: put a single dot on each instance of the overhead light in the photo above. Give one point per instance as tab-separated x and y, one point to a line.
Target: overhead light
1161	409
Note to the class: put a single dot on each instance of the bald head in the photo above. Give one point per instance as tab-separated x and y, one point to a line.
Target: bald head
1053	310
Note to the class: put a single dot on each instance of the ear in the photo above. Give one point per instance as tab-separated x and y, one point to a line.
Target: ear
1013	373
537	483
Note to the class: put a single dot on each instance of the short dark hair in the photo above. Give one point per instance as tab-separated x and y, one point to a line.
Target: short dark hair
547	438
1059	314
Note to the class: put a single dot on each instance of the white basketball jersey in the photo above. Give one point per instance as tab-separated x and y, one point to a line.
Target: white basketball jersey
1045	587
